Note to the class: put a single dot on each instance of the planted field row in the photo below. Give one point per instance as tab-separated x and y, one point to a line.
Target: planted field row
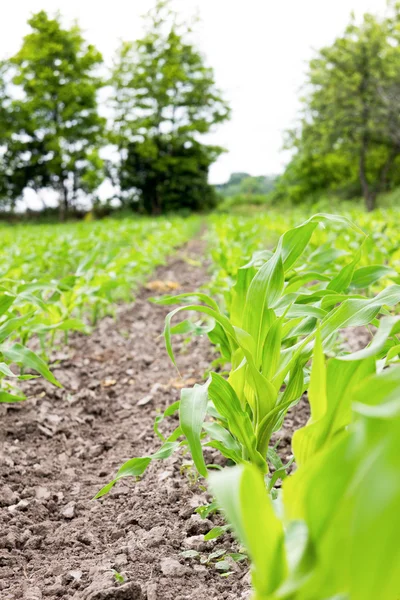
58	279
235	240
309	534
274	309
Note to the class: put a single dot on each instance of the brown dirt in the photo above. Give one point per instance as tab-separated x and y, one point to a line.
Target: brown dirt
61	446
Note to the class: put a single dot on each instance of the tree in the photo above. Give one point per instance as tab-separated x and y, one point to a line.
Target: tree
50	129
243	184
351	120
164	99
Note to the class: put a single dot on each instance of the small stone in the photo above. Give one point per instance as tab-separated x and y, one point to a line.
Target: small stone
196	525
42	493
173	568
121	560
195	542
11	541
129	591
7	496
145	400
200	568
68	512
165	475
152	591
21	506
32	593
108	382
155	536
72	576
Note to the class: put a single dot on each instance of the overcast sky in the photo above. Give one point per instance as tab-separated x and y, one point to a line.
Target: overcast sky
258	48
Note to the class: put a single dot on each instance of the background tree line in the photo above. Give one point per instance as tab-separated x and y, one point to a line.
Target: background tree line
162	98
348	137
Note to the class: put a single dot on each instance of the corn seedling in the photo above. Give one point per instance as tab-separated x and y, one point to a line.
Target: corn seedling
333	531
278	308
55	280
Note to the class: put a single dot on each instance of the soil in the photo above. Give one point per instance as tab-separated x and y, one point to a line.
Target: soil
62	445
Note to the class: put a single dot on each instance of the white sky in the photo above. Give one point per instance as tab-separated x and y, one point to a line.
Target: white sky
258	48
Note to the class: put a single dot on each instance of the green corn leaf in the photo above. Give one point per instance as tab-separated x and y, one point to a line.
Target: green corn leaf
7	398
239	293
216	532
242	494
29	360
135	467
228	405
221	434
317	393
296	282
192	411
5	370
342	280
341	380
6	300
233	455
168	300
379	396
220	318
271	350
12	325
366	276
359	312
172	409
264	291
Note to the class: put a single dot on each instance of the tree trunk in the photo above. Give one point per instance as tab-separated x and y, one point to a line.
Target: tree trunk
368	193
370	201
64	204
156	208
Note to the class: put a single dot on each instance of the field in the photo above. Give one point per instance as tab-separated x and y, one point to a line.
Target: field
241	369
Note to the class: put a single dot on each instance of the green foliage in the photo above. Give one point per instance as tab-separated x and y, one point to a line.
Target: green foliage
282	304
59	279
349	137
49	123
243	184
164	97
170	175
338	535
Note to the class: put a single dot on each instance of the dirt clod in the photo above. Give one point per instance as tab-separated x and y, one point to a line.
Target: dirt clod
129	591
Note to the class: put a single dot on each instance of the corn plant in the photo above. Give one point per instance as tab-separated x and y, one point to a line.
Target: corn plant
333	531
58	279
278	308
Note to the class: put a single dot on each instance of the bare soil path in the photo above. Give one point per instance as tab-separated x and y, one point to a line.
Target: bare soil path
61	446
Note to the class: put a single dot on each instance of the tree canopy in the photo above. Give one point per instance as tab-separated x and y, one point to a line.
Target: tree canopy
243	184
349	135
164	99
50	128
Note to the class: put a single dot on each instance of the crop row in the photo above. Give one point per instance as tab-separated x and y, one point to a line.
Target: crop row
58	279
330	531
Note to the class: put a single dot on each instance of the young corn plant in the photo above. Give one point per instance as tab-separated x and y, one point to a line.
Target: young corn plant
66	277
277	309
17	316
333	531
